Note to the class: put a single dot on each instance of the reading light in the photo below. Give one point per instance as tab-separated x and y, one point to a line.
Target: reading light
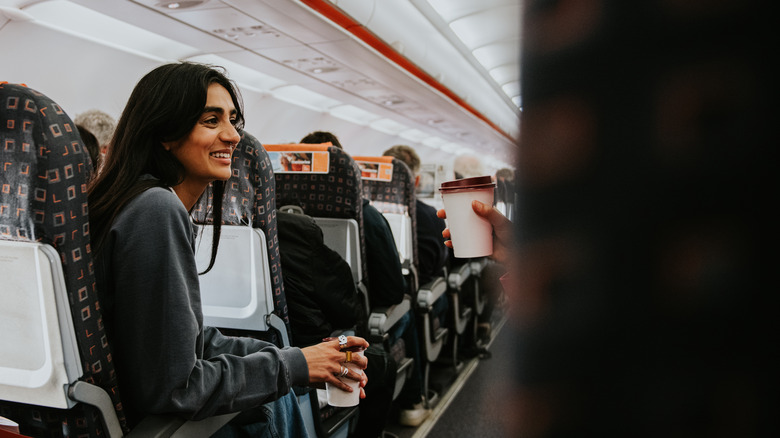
318	70
182	4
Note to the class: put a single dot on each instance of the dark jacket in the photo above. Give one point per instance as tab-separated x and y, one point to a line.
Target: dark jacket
386	283
318	283
167	361
432	254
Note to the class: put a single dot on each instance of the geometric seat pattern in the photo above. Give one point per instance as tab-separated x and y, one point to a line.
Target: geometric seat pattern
250	199
395	196
336	194
44	173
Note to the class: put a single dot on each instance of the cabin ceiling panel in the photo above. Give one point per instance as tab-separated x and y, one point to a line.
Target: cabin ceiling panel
291	18
307	61
269	67
288	44
234	26
179	5
488	26
140	15
454	9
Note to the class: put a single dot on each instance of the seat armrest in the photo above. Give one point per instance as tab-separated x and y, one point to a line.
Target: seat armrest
459	275
156	426
203	428
383	318
164	426
96	396
430	292
477	265
362	290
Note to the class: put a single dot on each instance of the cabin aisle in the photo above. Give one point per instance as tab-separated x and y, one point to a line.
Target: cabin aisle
472	403
480	406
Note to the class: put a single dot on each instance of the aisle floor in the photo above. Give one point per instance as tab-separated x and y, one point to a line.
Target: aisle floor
470	402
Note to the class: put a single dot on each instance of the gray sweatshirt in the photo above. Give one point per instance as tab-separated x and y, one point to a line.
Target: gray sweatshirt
166	360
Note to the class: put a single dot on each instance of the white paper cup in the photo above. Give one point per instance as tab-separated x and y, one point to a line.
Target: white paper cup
341	398
471	235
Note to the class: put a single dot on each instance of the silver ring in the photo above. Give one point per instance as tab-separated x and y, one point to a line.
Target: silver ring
342	341
344	371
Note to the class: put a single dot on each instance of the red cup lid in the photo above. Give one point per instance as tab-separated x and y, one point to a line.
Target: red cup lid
477	182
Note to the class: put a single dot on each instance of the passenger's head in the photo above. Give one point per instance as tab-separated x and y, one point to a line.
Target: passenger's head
318	137
467	166
163	109
165	131
100	124
91	143
406	154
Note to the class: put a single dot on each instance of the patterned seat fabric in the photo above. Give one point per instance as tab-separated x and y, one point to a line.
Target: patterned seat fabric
396	196
250	199
43	198
336	194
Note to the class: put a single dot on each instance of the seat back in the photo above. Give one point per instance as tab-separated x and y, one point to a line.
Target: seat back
53	335
244	290
249	223
389	184
329	190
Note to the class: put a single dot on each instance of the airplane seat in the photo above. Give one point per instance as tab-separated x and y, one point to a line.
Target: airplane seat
57	378
460	284
326	185
53	340
468	302
243	294
389	184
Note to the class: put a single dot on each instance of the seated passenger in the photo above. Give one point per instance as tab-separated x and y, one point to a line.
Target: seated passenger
102	126
322	300
432	254
91	143
387	287
175	136
318	283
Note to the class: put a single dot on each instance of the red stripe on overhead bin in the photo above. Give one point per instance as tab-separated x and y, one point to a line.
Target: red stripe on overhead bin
338	16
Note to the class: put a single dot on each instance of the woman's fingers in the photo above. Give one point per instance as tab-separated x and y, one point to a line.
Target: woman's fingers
335	381
360	361
446	235
354	341
360	377
326	361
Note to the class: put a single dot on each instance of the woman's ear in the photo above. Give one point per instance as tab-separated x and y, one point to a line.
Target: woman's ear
168	145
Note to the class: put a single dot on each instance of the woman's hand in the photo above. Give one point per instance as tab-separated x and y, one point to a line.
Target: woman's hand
326	362
502	230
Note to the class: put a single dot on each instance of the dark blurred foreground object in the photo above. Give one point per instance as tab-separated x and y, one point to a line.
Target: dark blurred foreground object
643	175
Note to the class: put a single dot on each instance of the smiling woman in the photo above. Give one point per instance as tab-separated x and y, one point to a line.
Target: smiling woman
174	138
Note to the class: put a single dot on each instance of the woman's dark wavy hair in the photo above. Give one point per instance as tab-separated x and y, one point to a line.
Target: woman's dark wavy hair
164	106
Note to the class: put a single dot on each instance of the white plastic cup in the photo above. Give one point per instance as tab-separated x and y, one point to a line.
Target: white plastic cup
471	235
339	397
